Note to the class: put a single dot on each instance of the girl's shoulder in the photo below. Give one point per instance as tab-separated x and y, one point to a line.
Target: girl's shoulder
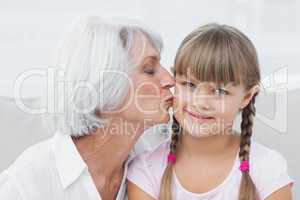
156	158
147	168
268	169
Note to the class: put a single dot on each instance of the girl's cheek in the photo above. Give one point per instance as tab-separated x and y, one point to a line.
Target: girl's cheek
232	105
179	101
182	97
221	106
227	109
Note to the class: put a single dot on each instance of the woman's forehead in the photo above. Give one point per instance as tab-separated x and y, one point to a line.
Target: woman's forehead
142	49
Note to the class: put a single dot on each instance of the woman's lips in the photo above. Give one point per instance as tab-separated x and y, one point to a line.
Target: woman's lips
200	117
169	101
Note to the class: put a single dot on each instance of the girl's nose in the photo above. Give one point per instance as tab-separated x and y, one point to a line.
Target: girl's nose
203	102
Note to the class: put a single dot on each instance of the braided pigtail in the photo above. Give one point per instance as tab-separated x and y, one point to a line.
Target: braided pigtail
247	187
165	189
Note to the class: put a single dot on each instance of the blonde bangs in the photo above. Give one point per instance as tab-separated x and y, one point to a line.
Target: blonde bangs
211	55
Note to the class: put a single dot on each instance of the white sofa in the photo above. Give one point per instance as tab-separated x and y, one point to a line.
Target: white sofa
20	129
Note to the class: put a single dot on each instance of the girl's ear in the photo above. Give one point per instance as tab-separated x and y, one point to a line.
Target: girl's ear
249	95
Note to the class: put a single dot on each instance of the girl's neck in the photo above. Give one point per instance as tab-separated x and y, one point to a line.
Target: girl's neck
214	146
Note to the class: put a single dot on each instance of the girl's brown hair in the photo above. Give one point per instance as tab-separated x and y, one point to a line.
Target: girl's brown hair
220	54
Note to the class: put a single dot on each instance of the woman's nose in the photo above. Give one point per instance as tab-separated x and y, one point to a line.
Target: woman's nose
167	80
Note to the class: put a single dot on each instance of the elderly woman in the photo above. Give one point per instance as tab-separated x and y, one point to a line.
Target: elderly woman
115	88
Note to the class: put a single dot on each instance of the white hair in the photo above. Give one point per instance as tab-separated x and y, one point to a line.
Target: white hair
95	61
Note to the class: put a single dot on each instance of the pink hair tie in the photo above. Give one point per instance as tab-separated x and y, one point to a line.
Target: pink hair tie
171	158
244	167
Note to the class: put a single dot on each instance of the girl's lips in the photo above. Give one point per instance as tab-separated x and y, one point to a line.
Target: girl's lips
200	118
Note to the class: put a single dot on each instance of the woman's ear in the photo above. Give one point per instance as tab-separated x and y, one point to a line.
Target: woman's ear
249	95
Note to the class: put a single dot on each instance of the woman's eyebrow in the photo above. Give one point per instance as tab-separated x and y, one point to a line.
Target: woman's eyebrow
152	57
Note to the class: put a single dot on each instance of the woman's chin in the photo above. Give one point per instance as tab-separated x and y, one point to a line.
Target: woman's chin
166	119
155	120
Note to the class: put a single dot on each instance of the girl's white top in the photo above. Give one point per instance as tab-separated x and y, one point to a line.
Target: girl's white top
268	169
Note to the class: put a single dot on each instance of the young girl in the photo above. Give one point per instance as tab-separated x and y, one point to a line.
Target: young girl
217	76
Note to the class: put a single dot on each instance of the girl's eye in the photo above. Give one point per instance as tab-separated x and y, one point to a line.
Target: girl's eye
221	91
189	84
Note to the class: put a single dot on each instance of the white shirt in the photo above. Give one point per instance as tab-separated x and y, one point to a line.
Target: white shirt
268	170
54	170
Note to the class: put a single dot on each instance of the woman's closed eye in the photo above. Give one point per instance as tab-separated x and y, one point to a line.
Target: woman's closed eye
149	69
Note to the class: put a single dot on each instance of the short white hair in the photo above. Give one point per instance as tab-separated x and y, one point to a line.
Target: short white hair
93	46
